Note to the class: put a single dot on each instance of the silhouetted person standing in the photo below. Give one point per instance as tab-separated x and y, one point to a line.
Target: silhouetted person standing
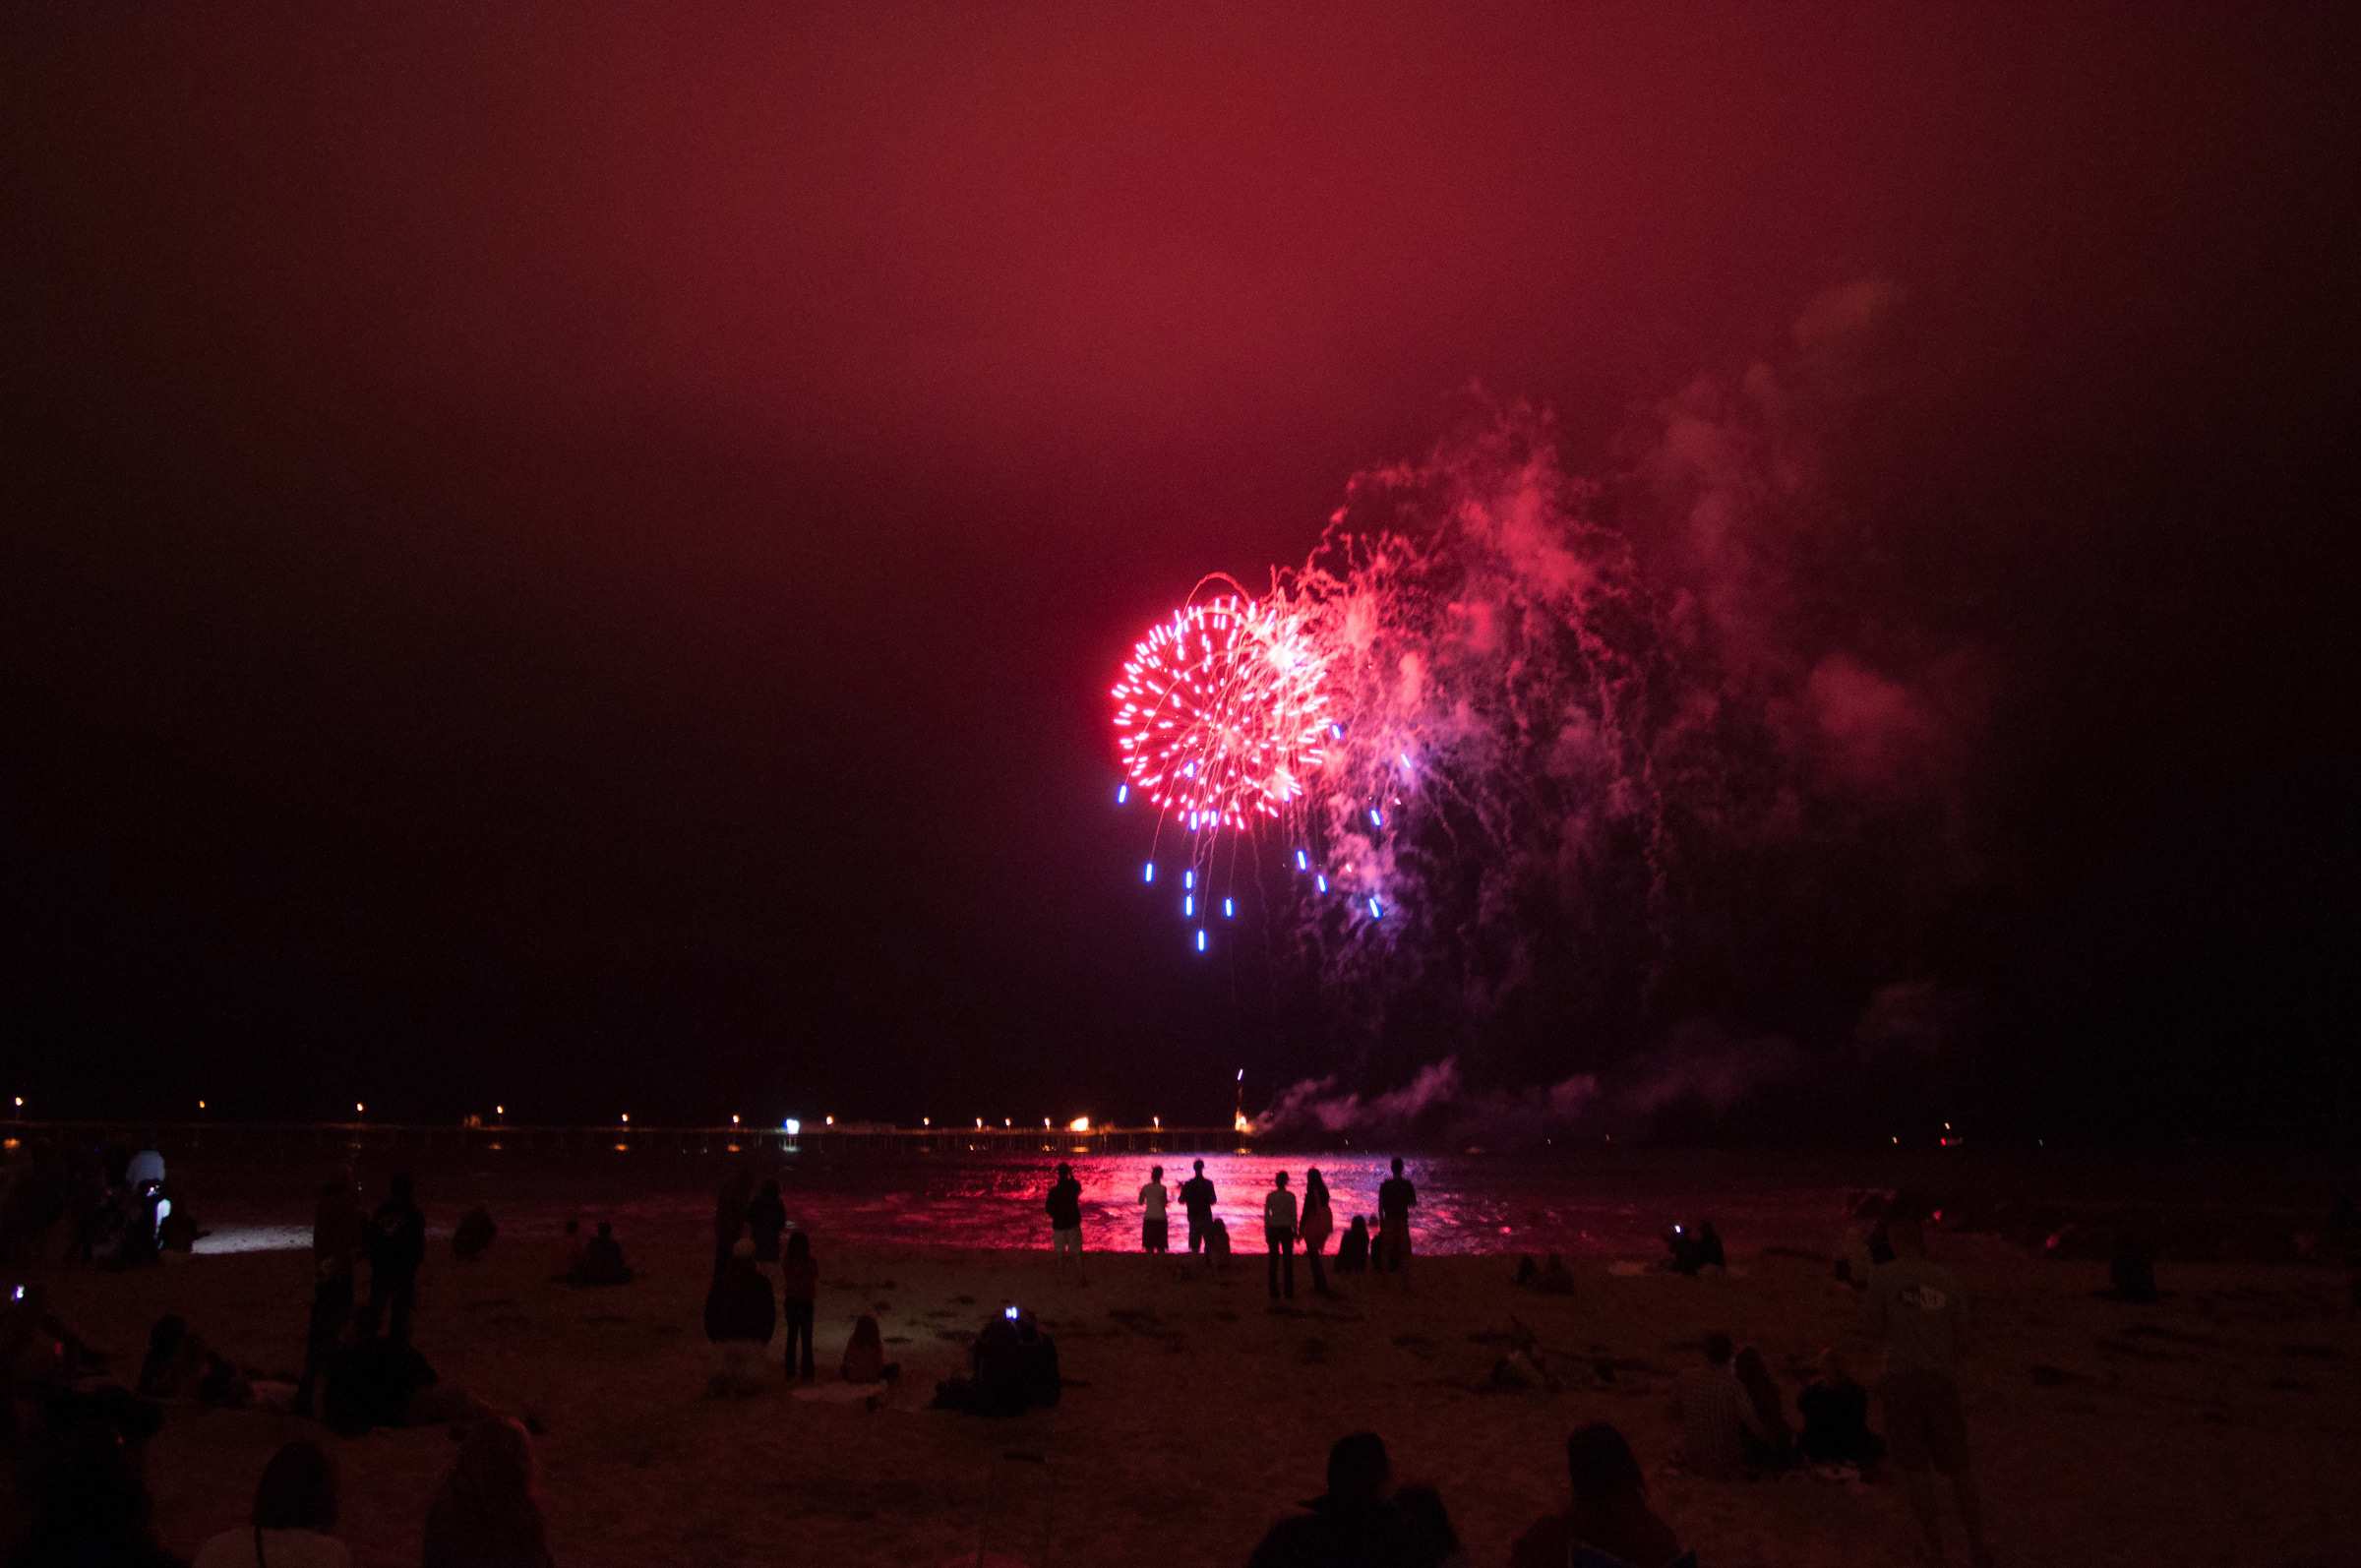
1155	1230
1065	1204
1196	1196
1916	1306
1396	1198
729	1218
1320	1220
799	1288
739	1319
1279	1233
397	1249
336	1240
765	1219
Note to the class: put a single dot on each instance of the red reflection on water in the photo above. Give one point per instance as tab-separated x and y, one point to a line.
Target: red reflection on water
1615	1206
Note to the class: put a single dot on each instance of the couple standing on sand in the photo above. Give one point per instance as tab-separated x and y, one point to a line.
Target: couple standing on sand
1396	1198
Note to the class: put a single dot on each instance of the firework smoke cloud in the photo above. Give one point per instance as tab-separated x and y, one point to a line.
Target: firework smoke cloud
1579	731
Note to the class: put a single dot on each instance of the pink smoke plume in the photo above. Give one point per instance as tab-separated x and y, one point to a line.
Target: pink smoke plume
1578	713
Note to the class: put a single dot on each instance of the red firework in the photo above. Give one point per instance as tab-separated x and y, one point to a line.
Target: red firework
1221	712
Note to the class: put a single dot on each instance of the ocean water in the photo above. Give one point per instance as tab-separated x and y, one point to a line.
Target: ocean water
1600	1204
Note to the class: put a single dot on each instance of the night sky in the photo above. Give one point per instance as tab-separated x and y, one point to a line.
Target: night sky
575	559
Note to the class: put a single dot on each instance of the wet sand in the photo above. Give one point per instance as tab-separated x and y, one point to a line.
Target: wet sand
2219	1426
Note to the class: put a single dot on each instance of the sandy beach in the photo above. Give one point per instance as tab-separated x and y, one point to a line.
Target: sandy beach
2219	1426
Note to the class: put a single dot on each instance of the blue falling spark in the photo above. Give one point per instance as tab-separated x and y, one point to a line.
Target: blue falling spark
1189	907
1376	910
1188	879
1375	820
1322	883
1122	793
1149	875
1229	909
1302	862
1200	939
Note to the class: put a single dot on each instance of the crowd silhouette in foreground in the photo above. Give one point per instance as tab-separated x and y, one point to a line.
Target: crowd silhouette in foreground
75	1441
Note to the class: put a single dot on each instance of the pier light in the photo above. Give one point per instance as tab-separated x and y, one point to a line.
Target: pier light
1005	1123
792	1125
19	1102
830	1121
499	1111
359	1109
201	1104
978	1123
733	1120
626	1119
1156	1122
1079	1124
925	1122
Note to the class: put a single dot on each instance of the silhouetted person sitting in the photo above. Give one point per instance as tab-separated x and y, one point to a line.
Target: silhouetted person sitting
1610	1524
1012	1369
1769	1444
765	1219
1353	1252
89	1507
739	1318
1217	1241
175	1360
176	1232
1351	1524
1693	1251
473	1238
1711	1412
602	1260
1551	1278
370	1382
487	1513
1036	1359
397	1249
294	1509
569	1255
1835	1418
865	1355
2132	1272
1428	1537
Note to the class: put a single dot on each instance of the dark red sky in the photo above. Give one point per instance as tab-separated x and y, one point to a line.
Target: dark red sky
576	558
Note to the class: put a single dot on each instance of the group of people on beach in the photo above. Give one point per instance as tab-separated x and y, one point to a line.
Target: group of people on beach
109	1206
1731	1426
76	1441
751	1236
1287	1220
